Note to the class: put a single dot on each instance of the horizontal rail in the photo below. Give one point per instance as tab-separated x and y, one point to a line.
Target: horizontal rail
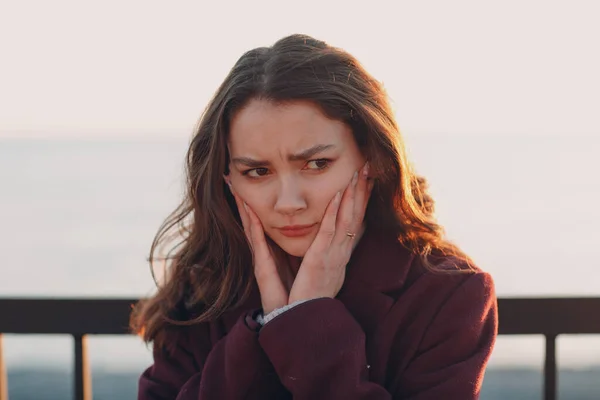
518	316
549	316
65	316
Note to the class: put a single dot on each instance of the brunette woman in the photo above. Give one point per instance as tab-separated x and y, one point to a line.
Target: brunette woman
305	258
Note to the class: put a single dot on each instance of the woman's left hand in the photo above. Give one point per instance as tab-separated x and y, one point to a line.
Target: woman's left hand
323	268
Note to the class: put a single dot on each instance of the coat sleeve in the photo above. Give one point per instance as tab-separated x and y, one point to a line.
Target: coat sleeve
318	350
188	369
453	354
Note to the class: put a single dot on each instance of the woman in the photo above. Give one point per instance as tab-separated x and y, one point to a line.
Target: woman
311	266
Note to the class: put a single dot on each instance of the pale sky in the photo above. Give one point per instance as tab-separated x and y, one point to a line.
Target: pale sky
147	68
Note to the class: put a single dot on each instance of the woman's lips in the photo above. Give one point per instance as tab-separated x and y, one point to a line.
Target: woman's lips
296	230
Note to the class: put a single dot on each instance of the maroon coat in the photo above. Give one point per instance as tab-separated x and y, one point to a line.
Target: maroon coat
395	331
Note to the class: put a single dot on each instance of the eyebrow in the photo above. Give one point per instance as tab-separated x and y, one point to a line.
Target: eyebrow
301	156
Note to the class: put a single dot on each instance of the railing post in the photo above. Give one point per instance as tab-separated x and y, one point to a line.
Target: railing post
83	381
3	378
550	372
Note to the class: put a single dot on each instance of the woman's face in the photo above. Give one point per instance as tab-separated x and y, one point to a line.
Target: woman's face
287	162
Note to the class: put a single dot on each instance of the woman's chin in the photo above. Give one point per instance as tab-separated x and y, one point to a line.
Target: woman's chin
295	247
296	253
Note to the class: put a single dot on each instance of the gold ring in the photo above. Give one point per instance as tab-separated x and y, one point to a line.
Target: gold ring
350	234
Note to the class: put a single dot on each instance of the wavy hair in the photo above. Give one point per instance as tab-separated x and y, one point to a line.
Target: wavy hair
207	269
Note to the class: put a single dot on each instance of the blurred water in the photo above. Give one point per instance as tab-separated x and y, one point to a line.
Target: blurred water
77	219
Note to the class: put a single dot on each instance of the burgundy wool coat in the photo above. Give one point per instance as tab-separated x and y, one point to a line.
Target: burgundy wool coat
395	331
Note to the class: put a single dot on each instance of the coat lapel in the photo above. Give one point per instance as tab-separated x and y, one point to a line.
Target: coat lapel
375	277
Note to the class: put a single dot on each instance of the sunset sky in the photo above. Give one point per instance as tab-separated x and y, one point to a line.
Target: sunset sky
147	68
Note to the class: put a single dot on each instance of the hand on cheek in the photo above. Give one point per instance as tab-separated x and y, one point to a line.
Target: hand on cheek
323	268
266	258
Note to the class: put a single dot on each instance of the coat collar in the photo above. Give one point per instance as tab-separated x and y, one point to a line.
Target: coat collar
375	276
379	261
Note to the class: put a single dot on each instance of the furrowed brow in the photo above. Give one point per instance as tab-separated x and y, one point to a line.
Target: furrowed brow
249	162
301	156
310	152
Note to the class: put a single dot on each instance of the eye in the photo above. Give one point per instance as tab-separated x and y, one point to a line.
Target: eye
319	164
256	172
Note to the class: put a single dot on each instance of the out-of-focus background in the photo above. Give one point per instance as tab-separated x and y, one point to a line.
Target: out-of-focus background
498	102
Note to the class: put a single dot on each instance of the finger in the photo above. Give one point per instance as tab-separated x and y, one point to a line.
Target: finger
243	216
346	215
361	197
328	223
257	235
273	293
240	205
370	185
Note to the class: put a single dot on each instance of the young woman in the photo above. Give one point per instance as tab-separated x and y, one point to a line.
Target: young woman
310	265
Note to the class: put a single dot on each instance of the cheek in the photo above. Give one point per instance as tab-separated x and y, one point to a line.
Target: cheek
323	191
253	195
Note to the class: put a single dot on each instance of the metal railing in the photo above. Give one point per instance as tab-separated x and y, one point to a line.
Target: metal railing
81	317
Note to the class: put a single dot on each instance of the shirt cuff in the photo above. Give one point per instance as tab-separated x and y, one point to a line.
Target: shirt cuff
263	319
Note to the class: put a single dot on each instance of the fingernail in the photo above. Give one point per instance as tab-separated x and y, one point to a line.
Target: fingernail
355	178
338	196
245	206
366	169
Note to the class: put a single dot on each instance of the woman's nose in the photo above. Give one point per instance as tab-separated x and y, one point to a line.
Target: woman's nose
290	199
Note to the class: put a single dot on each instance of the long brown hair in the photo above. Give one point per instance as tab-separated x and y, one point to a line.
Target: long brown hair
209	268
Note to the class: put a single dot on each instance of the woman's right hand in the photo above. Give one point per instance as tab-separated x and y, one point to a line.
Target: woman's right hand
273	293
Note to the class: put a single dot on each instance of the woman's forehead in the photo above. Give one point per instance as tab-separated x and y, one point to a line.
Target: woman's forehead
296	126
